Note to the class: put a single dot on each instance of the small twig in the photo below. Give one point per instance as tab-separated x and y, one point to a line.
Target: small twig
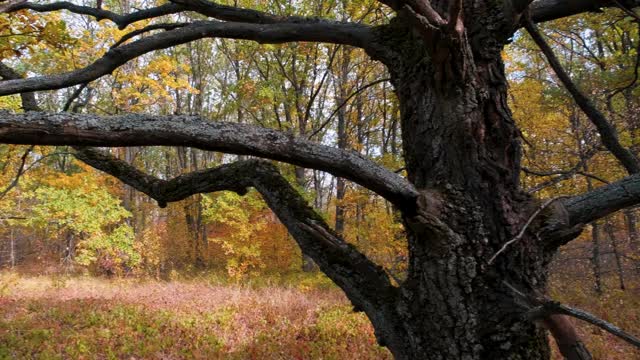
524	228
343	103
21	171
145	29
73	97
12	218
626	10
633	81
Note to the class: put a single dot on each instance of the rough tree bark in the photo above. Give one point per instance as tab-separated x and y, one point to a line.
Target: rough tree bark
462	201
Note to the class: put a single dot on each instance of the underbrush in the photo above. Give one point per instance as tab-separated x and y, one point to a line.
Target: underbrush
91	318
208	316
621	308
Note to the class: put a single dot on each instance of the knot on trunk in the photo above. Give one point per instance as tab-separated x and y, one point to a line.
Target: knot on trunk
427	223
555	227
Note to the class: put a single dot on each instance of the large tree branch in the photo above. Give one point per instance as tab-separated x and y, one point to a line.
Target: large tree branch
565	222
546	10
231	13
318	30
204	7
365	283
178	130
121	20
603	201
607	131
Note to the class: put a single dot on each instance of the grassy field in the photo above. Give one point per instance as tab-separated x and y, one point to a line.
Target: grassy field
58	317
91	318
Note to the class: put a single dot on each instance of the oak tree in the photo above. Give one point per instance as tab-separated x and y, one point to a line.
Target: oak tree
477	243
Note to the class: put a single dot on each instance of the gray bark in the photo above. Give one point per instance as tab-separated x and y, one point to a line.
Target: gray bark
178	130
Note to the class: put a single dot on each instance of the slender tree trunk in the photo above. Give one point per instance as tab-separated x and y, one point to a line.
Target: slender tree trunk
341	186
307	262
70	248
595	242
616	253
595	257
12	250
632	228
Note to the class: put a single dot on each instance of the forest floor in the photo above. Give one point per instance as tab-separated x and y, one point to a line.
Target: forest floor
61	317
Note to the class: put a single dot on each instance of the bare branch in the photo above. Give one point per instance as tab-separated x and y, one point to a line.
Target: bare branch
563	174
73	97
541	306
181	130
19	173
552	307
569	343
343	103
546	10
607	132
319	31
365	283
146	29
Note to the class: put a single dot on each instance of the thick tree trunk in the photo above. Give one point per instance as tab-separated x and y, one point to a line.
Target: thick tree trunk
462	151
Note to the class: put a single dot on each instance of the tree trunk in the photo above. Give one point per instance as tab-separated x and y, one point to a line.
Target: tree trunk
616	253
307	262
462	149
341	186
12	250
70	248
632	228
595	257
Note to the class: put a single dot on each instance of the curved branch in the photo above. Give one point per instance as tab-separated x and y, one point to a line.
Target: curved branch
152	27
541	307
100	14
551	307
21	170
179	130
231	13
607	131
365	283
319	31
546	10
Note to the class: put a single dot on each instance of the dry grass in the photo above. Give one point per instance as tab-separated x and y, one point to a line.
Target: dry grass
60	317
89	318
